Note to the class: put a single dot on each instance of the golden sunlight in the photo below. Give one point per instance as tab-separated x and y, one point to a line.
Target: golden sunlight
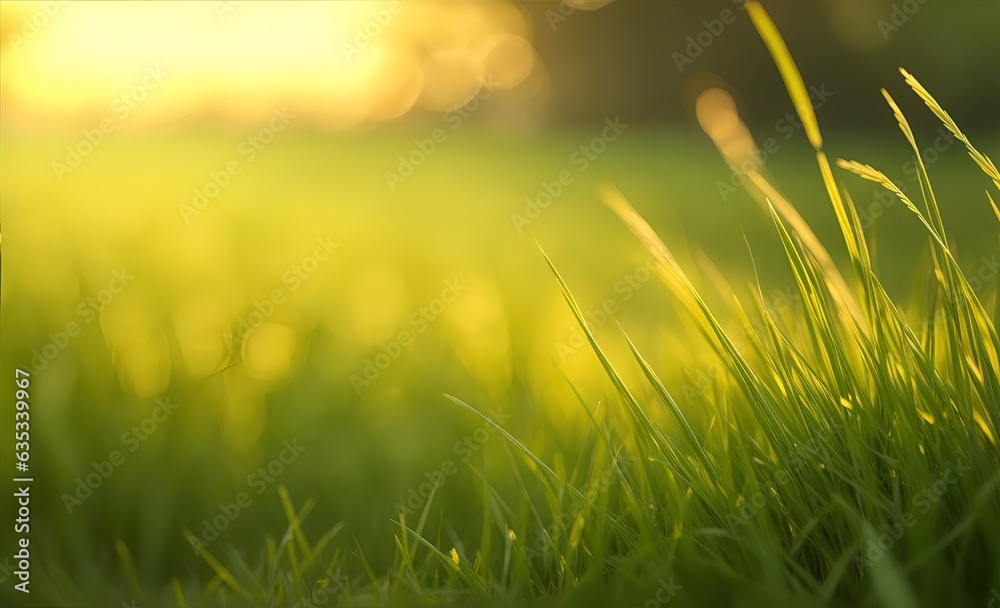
338	64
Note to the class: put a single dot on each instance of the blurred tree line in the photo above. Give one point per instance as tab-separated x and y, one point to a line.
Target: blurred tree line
648	59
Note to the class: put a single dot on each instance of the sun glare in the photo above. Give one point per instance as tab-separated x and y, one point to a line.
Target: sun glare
336	63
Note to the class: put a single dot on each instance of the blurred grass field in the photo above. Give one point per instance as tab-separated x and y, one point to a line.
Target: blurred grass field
289	378
504	342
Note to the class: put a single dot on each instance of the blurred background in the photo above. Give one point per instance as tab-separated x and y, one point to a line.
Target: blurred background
305	221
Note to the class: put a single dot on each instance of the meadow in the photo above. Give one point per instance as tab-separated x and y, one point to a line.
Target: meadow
523	371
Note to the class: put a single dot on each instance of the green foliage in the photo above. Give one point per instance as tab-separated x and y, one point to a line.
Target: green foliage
848	457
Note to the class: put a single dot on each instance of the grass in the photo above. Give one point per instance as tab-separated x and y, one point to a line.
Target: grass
845	453
850	454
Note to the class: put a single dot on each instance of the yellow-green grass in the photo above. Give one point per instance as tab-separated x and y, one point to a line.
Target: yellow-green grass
836	419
